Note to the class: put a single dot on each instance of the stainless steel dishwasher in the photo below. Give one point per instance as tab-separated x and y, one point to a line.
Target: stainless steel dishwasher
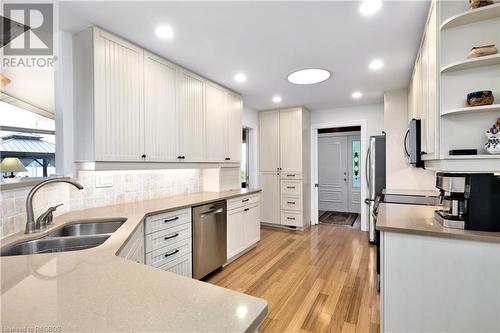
209	238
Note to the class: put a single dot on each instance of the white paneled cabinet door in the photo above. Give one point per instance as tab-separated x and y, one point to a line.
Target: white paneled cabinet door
269	136
160	112
119	105
291	140
431	41
270	197
252	225
191	106
235	236
216	105
233	127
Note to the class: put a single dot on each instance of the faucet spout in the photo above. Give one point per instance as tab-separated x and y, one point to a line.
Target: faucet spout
31	225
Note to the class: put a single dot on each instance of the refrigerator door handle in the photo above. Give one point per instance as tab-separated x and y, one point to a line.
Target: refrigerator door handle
367	175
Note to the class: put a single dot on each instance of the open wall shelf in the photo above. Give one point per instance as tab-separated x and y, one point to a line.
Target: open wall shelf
490	60
472	16
472	109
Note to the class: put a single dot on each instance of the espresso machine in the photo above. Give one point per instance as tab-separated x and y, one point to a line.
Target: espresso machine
470	200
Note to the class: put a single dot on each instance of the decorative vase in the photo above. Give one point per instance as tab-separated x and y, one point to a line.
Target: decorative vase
478	98
492	146
473	4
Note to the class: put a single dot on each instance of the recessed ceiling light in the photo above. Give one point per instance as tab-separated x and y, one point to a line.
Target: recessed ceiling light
240	77
357	94
309	76
376	64
164	32
370	7
277	99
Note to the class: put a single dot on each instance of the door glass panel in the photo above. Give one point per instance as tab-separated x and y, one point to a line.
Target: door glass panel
356	163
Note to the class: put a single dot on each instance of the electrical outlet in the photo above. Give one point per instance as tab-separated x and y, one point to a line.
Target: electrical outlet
103	181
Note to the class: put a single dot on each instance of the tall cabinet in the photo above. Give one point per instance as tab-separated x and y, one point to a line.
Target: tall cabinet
284	167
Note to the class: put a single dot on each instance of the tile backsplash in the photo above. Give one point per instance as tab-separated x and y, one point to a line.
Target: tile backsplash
126	186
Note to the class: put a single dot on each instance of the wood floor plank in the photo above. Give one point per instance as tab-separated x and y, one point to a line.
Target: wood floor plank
320	280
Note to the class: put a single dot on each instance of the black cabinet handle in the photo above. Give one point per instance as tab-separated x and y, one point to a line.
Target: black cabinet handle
291	202
290	175
290	218
290	187
183	157
172	219
228	158
246	209
143	155
179	157
170	237
171	253
245	200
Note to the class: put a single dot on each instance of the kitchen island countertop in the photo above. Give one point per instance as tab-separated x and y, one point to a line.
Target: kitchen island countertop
95	290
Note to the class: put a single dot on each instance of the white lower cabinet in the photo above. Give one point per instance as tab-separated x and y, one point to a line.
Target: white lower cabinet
168	242
134	247
243	225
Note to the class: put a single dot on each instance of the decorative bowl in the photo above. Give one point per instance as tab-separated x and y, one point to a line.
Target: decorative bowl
480	3
478	98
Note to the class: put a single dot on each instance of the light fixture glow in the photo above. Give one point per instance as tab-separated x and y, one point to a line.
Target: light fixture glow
370	7
240	77
164	32
309	76
376	64
277	99
357	94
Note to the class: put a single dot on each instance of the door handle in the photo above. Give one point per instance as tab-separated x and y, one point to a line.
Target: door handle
212	212
367	168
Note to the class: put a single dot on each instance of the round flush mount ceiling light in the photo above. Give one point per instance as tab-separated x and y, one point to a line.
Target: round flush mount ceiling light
370	7
164	32
277	99
376	64
357	94
309	76
240	77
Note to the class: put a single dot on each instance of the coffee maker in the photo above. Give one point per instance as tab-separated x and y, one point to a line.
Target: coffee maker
470	200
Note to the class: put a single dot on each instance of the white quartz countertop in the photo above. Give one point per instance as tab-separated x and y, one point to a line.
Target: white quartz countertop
94	290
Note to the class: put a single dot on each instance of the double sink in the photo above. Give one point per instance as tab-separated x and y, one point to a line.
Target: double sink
71	237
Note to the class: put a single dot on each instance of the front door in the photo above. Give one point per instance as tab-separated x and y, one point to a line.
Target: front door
332	173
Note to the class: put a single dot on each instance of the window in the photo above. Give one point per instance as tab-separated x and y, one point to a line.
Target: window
27	138
356	163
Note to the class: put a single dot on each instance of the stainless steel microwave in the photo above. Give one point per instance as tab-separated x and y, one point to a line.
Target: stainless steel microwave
412	143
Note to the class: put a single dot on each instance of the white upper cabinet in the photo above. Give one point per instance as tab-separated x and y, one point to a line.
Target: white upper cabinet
216	122
161	116
132	105
119	105
269	141
191	103
291	140
233	129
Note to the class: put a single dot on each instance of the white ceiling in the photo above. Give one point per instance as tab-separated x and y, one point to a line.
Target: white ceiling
268	40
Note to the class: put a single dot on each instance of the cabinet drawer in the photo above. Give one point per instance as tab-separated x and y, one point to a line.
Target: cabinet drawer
291	187
168	253
291	203
291	175
291	218
242	201
167	220
182	266
165	237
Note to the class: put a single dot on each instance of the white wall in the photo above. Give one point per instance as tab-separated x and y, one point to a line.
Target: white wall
373	115
251	120
400	175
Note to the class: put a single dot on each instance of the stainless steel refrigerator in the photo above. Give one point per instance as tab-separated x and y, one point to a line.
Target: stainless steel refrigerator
375	178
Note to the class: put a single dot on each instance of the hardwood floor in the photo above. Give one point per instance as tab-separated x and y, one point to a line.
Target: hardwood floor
322	280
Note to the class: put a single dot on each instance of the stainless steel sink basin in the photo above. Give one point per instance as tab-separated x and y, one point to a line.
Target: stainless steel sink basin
49	245
84	228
